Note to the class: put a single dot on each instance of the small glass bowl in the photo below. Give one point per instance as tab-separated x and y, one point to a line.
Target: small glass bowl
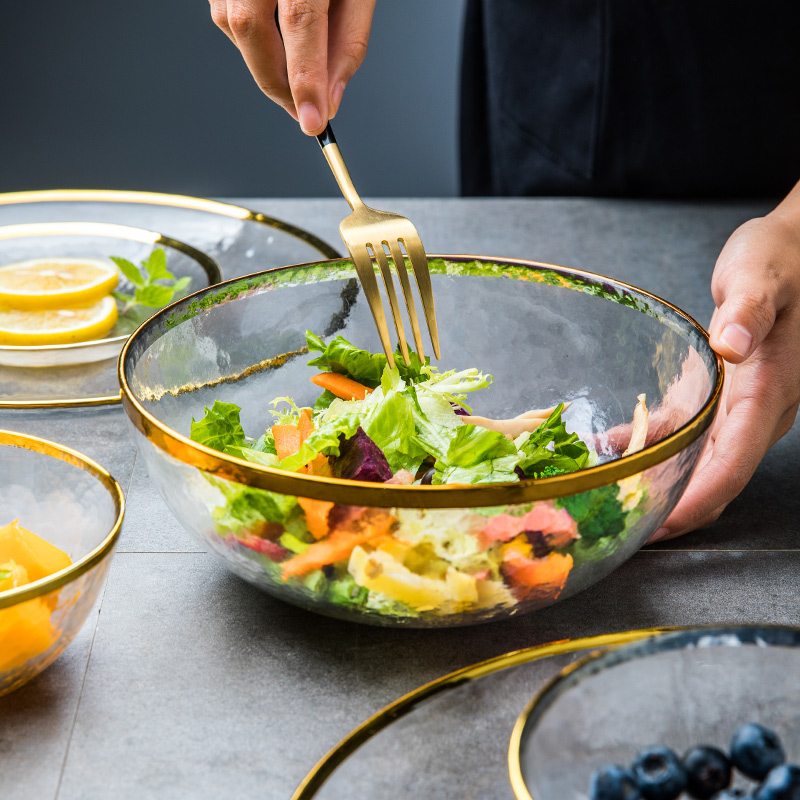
73	503
689	687
547	334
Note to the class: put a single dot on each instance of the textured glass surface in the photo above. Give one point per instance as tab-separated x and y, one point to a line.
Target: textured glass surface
71	509
238	246
545	336
676	690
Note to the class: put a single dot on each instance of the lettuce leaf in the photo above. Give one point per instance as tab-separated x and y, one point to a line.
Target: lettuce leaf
247	509
567	454
220	427
360	365
477	455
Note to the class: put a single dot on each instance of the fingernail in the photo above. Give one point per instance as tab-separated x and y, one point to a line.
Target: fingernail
658	535
336	96
310	118
737	338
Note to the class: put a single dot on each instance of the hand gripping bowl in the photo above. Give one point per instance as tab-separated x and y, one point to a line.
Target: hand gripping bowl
73	503
547	334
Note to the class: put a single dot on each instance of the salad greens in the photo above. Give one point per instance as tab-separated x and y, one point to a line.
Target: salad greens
411	424
410	413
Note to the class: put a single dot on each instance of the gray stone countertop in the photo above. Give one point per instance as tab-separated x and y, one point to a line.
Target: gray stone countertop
187	682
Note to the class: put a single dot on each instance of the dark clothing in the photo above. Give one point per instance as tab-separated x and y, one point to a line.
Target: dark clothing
636	98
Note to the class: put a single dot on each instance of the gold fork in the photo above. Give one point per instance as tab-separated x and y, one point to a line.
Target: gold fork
368	229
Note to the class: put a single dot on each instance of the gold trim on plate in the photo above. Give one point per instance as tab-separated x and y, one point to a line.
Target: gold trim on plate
393	495
58	579
314	780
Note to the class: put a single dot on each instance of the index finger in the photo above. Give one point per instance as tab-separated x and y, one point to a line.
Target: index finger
252	26
304	27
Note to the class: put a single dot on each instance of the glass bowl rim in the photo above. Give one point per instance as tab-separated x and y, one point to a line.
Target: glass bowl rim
649	643
394	495
110	230
45	585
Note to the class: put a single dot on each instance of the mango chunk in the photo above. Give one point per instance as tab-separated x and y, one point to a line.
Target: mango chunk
38	557
25	632
16	575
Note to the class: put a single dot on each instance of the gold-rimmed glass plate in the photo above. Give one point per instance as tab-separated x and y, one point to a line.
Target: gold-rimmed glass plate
447	739
237	239
83	372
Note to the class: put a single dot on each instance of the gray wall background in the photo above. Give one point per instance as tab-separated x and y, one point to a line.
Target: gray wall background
149	95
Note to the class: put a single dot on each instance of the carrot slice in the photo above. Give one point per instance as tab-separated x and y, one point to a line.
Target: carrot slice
305	425
341	385
339	544
316	512
287	440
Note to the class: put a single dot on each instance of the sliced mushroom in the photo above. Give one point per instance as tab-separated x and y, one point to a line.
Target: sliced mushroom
514	427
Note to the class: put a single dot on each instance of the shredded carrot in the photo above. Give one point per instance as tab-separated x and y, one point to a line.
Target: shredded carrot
341	385
305	425
287	440
316	512
339	544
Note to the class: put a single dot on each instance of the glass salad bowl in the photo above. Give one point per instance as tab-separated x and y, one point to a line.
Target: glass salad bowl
73	504
679	689
427	555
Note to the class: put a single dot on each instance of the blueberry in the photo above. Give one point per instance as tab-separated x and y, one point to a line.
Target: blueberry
708	771
660	774
614	783
755	750
733	794
782	783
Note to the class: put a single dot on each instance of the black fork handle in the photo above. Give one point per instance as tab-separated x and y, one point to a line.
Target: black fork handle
326	137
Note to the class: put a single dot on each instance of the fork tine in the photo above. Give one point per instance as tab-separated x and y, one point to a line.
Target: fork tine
419	263
402	273
366	274
380	255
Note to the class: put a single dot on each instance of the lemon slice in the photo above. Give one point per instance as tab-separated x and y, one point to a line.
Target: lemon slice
57	325
55	282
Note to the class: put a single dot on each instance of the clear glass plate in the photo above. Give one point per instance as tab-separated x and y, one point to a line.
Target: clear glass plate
447	740
237	239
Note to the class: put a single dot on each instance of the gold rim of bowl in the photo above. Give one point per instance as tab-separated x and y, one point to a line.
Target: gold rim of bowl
443	496
58	579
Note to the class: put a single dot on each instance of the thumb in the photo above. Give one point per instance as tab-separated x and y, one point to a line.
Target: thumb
747	301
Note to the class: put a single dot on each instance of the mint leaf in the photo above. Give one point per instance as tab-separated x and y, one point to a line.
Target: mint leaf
5	573
156	265
148	294
154	296
129	270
